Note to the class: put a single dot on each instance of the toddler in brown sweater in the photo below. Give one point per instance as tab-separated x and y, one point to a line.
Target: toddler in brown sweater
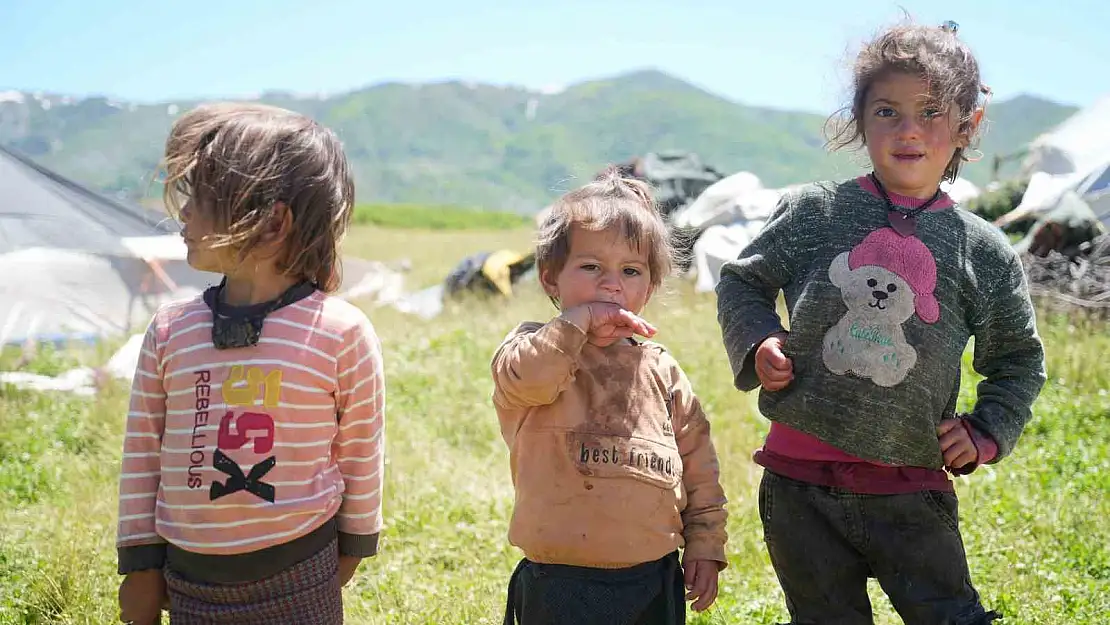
611	457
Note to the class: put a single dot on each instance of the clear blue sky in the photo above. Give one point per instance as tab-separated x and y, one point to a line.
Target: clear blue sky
787	54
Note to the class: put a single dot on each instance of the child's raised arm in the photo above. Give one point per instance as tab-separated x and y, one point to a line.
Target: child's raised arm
536	362
749	286
1008	351
360	443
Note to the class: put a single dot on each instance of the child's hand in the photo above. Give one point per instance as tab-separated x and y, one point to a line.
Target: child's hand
605	323
142	595
956	444
774	369
347	567
701	583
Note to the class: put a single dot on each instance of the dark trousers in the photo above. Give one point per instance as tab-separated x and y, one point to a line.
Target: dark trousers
826	542
554	594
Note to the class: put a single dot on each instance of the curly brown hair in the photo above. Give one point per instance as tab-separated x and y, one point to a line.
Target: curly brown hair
933	53
237	162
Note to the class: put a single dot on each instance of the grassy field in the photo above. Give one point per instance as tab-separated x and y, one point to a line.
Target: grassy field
1037	525
435	217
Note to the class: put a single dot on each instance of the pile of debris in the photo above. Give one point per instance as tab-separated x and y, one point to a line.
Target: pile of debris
1081	281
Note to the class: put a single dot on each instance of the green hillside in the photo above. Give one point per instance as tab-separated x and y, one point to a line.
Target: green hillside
456	143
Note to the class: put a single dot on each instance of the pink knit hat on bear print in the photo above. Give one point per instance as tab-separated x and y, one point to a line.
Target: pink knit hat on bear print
907	258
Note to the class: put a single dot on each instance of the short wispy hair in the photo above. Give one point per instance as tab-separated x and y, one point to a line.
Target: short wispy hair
610	202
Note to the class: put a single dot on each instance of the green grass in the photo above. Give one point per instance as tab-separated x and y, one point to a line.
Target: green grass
416	216
1036	526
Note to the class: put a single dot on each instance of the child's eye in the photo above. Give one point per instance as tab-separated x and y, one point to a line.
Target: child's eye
589	267
631	271
885	111
931	113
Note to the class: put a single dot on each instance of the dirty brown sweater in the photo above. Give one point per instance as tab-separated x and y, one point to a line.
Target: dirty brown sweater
609	448
879	323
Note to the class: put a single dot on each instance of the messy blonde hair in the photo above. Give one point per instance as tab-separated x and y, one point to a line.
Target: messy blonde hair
236	162
609	202
936	55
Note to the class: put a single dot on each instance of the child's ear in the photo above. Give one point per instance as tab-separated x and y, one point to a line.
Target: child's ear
279	225
972	127
548	284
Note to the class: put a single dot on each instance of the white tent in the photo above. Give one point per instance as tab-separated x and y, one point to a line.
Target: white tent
1073	156
1078	144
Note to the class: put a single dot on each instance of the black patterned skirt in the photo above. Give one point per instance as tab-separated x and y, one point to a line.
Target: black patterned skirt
307	593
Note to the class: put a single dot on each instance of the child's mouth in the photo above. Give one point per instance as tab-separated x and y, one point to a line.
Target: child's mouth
909	157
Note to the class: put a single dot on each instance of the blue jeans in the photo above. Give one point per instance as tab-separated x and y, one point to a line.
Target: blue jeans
826	542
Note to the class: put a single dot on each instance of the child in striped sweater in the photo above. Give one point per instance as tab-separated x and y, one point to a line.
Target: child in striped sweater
252	466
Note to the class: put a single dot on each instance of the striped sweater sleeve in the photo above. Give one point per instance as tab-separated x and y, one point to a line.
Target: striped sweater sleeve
138	545
360	444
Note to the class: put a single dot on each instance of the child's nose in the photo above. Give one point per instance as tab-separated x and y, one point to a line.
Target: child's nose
610	280
908	126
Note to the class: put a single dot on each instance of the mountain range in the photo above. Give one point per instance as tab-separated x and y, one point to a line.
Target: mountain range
497	147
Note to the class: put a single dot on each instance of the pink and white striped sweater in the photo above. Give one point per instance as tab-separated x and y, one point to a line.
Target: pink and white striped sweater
233	451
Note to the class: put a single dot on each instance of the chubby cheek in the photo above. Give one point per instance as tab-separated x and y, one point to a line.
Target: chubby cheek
943	144
571	288
638	294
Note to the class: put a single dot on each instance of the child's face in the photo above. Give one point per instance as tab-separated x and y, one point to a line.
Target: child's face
196	225
909	138
601	267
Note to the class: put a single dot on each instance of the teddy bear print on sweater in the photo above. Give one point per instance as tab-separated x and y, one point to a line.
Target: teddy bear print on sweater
884	281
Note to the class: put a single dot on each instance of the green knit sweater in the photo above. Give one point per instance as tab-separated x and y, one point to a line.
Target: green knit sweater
879	322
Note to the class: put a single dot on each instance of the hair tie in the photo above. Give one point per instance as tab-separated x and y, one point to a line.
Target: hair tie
949	26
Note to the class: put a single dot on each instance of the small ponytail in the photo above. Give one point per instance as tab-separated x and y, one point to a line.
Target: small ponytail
617	186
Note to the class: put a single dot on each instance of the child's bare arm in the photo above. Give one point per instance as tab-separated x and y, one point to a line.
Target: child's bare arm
700	577
142	597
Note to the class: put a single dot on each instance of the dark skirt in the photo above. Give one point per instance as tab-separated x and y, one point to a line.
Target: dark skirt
307	593
554	594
